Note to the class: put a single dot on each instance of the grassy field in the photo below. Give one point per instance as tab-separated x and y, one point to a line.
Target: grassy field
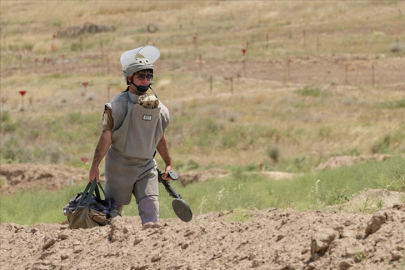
289	113
244	189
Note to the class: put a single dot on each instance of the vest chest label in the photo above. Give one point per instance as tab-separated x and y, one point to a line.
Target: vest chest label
147	117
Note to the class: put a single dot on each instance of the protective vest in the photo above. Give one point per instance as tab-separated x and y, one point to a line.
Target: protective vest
137	130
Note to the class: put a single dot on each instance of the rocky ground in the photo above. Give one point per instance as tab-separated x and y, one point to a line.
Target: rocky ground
270	239
350	236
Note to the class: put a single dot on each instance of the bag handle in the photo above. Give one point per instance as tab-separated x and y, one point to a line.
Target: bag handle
93	186
86	190
89	197
101	187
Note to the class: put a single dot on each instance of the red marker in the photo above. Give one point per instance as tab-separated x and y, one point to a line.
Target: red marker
22	93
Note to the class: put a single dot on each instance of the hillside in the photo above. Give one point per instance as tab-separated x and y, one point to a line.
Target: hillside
317	79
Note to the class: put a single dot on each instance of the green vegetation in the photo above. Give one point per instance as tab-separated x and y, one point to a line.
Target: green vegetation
243	190
49	139
392	104
382	145
75	47
57	22
273	153
309	91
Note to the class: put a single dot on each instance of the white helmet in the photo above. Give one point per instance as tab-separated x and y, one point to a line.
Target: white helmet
131	64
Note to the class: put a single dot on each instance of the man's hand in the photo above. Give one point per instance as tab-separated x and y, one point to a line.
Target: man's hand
94	174
166	176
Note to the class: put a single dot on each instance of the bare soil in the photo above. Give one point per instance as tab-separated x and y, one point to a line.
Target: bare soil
271	239
16	177
338	161
305	70
366	233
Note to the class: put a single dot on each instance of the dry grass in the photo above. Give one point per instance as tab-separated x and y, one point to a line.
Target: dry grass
346	120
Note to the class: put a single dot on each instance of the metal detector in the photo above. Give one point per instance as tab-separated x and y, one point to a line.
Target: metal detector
180	207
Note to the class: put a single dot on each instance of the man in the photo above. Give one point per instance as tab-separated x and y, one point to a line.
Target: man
131	134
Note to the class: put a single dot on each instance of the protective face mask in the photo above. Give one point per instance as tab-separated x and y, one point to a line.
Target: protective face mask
142	89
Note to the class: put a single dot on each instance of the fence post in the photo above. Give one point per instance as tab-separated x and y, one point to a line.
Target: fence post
244	62
346	80
210	84
231	85
372	74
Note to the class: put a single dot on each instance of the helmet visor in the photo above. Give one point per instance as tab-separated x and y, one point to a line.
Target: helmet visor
149	52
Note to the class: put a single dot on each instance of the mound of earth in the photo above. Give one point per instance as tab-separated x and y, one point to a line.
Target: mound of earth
338	161
267	239
279	175
201	176
372	200
16	177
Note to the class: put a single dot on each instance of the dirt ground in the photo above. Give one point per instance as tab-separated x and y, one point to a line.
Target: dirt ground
271	239
305	70
355	235
15	177
338	161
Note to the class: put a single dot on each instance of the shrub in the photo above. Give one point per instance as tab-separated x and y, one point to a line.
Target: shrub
10	127
229	140
192	165
75	47
5	117
273	153
310	91
392	104
382	145
57	22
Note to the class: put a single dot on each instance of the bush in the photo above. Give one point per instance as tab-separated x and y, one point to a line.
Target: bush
310	91
382	145
392	104
229	140
57	22
192	165
273	153
75	47
5	117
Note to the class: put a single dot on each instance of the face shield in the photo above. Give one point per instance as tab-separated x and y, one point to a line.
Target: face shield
131	63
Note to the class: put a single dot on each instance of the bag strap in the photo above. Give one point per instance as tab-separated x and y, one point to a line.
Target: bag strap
98	192
86	190
89	197
101	187
84	194
91	192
